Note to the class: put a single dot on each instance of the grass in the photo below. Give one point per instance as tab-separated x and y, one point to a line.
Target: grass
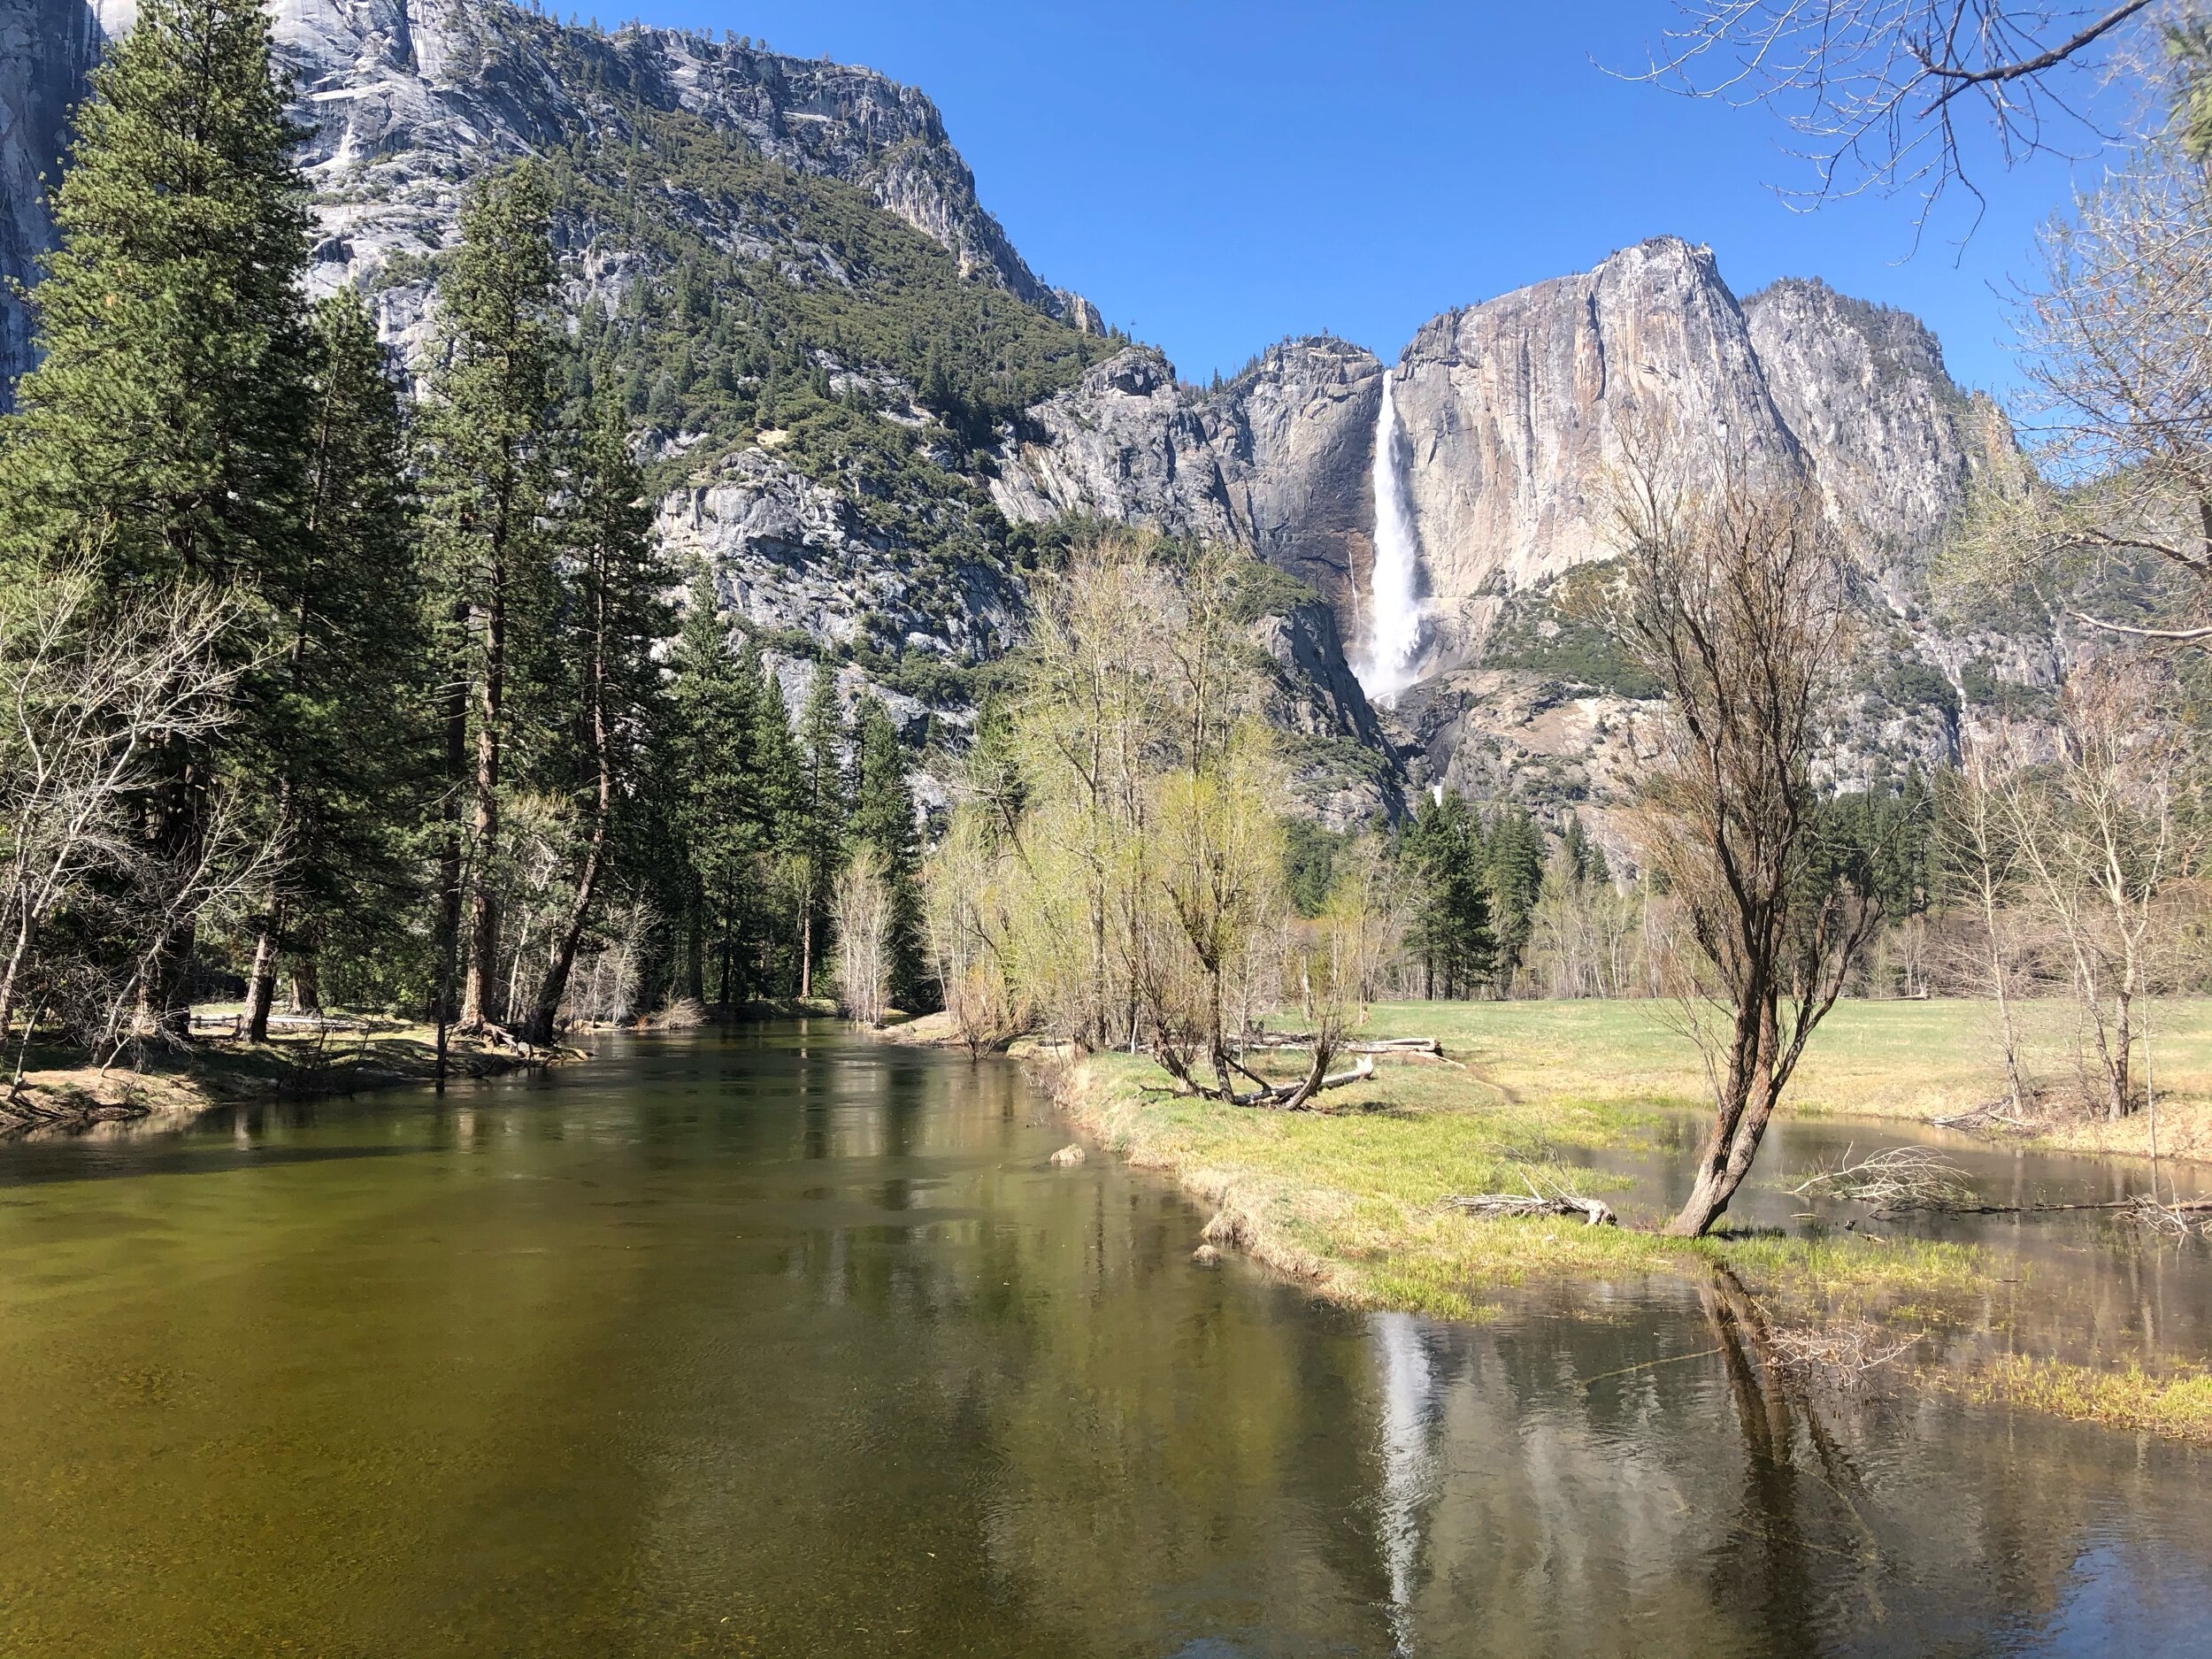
2178	1407
1351	1200
1911	1060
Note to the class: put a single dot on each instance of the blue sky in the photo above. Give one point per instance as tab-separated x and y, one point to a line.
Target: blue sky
1216	176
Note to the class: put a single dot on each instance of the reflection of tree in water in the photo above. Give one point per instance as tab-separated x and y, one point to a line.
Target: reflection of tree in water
1770	1565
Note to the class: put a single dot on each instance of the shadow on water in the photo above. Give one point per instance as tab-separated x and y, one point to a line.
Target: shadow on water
786	1342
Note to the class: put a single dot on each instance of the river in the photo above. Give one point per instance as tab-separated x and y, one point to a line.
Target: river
795	1344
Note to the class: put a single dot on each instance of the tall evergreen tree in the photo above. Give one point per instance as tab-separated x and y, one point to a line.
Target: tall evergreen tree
335	731
613	618
489	435
821	812
1513	875
715	782
159	439
1451	924
883	818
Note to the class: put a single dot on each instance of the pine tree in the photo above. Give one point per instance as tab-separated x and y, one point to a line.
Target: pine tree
159	442
613	618
781	779
714	698
883	818
1451	928
1512	855
335	736
820	819
489	432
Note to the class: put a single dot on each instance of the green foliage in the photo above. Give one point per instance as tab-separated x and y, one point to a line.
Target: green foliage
1513	870
883	818
1912	684
337	729
1554	632
1451	926
1309	855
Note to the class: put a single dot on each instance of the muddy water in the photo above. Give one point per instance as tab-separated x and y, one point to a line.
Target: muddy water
794	1345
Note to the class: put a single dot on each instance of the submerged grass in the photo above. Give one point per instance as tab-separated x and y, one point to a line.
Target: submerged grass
2178	1407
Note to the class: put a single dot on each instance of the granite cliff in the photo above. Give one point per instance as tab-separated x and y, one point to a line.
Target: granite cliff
777	263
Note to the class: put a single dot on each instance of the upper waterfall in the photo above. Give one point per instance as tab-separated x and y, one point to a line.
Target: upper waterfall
1393	607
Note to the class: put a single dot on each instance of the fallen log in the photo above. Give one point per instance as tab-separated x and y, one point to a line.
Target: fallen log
1292	1096
1595	1212
1374	1045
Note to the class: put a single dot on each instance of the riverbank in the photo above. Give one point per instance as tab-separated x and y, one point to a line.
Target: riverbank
1351	1202
1919	1061
368	1054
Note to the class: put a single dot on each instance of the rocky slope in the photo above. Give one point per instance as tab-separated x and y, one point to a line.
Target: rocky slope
46	48
774	261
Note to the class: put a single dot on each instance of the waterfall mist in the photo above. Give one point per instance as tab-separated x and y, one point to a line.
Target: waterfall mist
1393	608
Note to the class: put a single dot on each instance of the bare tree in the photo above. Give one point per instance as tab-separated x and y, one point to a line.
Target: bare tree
1736	602
860	911
2118	351
90	698
1882	94
2102	837
1983	856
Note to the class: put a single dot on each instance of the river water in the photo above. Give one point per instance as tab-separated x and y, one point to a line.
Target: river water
791	1343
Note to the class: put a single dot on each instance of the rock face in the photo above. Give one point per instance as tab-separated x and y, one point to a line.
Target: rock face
1516	410
409	99
1275	462
46	48
1891	441
1513	413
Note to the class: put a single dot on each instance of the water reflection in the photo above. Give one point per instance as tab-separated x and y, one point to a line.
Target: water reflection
799	1345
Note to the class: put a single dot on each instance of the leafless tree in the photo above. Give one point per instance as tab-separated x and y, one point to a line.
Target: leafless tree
2117	333
1885	94
1736	601
860	911
89	699
1982	856
2102	837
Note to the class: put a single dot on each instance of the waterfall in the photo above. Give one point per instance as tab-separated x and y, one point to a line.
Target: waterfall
1393	607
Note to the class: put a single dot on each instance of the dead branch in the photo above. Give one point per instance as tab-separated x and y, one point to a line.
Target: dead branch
1896	1178
1595	1212
1294	1096
1374	1045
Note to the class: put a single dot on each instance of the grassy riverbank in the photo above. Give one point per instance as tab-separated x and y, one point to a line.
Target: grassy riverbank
1351	1201
1907	1060
222	1070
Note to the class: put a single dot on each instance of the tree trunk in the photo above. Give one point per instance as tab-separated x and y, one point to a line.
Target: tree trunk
563	953
1739	1120
2116	1064
483	956
695	946
806	946
307	988
261	983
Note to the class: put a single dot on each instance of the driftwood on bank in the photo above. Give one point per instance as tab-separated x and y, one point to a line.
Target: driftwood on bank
1595	1212
1293	1096
1375	1045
